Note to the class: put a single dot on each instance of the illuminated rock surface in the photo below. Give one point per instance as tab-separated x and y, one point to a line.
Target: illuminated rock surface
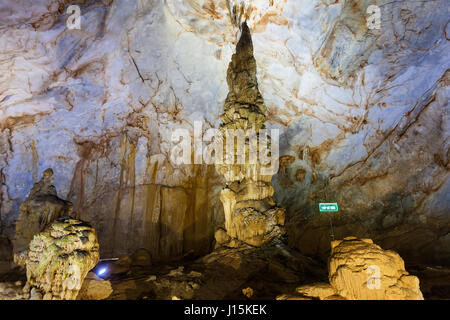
251	214
6	256
59	259
363	114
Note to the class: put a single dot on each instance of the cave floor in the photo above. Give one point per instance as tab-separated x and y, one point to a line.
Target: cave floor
235	274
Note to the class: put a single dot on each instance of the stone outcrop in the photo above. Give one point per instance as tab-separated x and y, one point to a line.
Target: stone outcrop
59	259
40	208
251	214
362	270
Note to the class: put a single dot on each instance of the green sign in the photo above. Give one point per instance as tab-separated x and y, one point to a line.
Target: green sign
328	207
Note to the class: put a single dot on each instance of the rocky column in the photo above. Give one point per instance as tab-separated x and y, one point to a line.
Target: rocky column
251	214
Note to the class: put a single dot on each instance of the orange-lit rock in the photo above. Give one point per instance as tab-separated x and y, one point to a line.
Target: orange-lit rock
59	259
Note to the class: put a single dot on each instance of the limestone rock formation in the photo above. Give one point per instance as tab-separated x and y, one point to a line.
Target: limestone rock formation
286	296
59	259
251	214
362	270
40	208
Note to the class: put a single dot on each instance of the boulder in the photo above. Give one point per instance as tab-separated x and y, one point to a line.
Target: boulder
140	258
221	237
286	296
361	270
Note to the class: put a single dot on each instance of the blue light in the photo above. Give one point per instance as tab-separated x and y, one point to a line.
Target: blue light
102	271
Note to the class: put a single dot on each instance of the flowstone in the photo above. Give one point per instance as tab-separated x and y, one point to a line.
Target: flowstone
59	259
251	214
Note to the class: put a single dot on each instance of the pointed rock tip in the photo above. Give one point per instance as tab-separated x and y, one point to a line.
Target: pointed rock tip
245	39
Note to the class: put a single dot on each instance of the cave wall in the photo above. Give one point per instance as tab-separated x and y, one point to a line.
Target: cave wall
363	116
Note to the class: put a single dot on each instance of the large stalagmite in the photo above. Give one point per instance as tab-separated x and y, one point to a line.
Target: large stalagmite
251	214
